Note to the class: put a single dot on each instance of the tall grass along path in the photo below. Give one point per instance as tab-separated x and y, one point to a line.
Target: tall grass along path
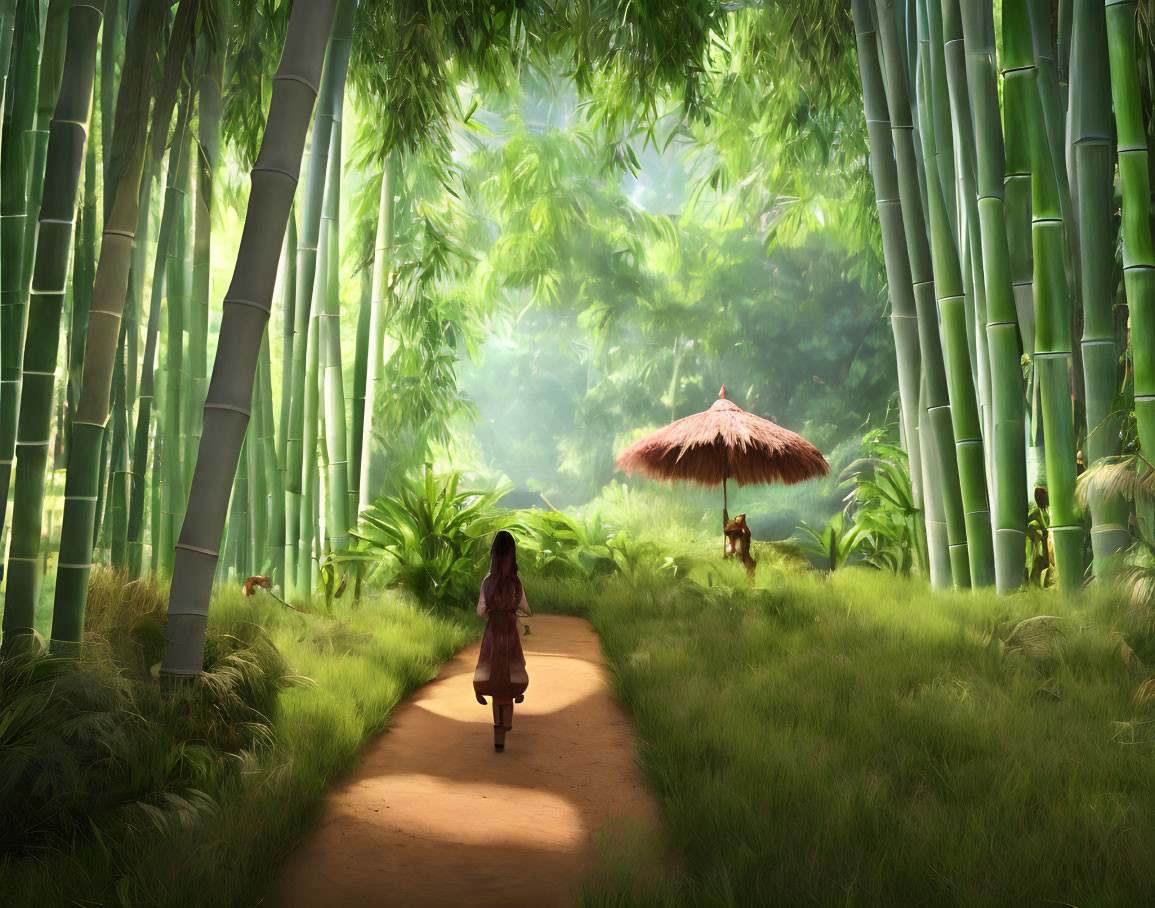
433	816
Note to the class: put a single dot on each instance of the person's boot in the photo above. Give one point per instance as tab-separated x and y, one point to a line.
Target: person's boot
499	737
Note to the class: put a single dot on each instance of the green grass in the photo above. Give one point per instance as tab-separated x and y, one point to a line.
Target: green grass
857	740
865	741
200	806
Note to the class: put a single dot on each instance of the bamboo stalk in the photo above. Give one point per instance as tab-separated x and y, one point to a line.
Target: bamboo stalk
111	50
290	507
942	142
272	551
1135	181
968	235
1052	358
173	494
246	312
15	166
1008	441
52	48
371	478
360	381
922	276
83	273
1093	192
119	467
208	88
68	135
307	502
1053	101
86	455
331	90
948	285
903	320
938	546
147	397
336	443
257	494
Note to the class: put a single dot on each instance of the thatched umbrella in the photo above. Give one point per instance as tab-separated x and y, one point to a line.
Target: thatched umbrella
725	442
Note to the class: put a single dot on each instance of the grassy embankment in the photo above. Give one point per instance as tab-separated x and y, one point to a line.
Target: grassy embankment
857	740
111	795
861	740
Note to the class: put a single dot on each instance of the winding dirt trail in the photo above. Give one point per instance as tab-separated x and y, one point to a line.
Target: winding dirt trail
433	816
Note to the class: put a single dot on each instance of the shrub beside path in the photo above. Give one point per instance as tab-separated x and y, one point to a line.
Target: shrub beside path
432	815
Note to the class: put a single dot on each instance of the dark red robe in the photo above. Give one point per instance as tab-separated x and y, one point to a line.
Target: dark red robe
501	666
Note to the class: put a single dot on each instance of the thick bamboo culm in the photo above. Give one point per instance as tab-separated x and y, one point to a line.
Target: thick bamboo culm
245	316
1092	187
1007	442
331	89
1052	358
15	176
903	320
968	237
949	294
1134	179
64	162
914	222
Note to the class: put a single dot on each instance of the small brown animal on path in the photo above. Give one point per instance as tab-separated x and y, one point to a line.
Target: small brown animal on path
432	816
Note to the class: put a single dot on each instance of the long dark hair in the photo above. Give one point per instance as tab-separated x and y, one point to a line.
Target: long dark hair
502	582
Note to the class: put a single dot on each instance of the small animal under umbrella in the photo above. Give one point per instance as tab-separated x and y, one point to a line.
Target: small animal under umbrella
720	444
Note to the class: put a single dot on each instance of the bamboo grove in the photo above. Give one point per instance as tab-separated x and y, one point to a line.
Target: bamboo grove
1018	354
129	315
999	152
116	123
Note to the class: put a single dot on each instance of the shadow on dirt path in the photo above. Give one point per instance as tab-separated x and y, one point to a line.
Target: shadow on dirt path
434	816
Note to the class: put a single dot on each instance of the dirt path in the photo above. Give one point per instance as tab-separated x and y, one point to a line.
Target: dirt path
433	816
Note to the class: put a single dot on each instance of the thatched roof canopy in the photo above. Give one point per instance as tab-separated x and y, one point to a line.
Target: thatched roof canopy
724	442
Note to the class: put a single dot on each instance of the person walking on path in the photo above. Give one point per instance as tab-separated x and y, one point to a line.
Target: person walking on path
501	665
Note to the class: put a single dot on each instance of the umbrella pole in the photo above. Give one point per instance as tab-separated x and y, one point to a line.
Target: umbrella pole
725	516
725	513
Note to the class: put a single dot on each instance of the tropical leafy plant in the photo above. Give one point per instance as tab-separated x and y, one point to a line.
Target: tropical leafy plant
834	545
555	542
563	546
433	535
881	504
632	558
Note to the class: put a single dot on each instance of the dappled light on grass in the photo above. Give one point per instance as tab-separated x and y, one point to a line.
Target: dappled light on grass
863	737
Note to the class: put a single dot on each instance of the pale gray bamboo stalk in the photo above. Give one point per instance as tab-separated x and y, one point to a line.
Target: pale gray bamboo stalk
245	315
